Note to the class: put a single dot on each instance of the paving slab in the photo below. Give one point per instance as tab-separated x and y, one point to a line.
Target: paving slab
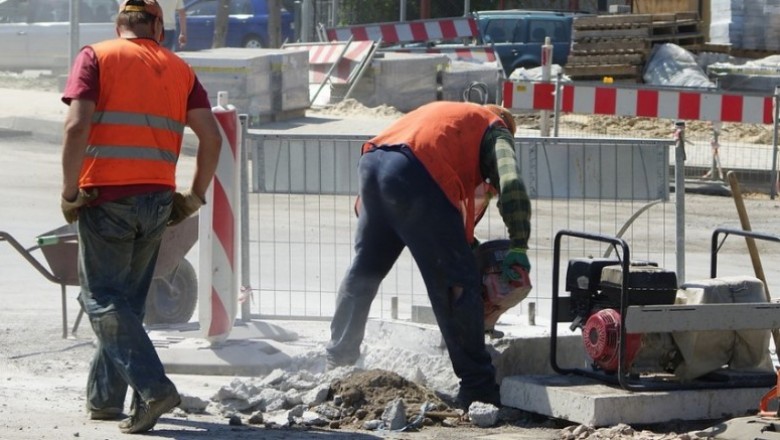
590	402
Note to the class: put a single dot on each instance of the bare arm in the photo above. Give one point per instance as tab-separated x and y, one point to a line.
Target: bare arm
182	27
202	122
77	126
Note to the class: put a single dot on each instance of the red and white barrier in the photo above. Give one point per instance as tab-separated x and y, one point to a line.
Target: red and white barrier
218	284
652	103
322	56
407	31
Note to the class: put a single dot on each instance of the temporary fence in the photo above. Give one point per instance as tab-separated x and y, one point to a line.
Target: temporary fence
302	214
302	223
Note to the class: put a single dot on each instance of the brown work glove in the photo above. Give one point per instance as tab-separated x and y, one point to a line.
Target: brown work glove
70	209
184	205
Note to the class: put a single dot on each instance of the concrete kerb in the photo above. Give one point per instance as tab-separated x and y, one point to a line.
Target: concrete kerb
258	347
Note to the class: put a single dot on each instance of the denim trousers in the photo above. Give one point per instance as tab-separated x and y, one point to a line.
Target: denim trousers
118	246
403	206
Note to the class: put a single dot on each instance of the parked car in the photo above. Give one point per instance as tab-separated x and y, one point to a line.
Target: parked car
247	24
518	35
35	34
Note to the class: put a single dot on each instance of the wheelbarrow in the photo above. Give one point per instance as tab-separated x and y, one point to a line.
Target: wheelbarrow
172	296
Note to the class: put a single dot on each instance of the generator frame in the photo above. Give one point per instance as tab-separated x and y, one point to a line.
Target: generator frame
666	319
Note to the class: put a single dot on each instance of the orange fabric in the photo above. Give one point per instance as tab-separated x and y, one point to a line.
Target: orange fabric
127	152
446	137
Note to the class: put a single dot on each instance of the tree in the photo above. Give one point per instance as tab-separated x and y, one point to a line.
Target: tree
221	23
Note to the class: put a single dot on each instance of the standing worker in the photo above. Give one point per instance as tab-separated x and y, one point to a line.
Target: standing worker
170	8
130	100
424	183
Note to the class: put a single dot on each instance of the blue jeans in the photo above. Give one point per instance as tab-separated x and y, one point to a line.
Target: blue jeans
403	206
118	246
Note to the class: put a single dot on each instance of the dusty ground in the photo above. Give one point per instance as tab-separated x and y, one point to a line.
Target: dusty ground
43	375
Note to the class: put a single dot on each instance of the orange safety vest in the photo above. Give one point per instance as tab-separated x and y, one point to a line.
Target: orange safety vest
446	137
139	118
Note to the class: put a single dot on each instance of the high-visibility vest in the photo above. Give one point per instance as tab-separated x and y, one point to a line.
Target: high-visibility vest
140	115
446	138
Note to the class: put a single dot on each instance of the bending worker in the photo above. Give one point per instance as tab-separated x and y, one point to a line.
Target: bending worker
424	183
129	101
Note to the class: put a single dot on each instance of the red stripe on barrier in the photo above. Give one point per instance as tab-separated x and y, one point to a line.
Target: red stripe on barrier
731	108
360	34
507	99
605	101
473	27
647	103
418	31
224	223
567	100
689	106
389	33
331	34
768	111
448	30
543	96
220	323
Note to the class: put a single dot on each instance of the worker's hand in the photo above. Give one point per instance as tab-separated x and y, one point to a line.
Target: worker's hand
70	208
515	257
184	205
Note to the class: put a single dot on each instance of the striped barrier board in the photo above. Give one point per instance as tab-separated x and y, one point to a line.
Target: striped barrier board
218	285
651	103
322	56
407	31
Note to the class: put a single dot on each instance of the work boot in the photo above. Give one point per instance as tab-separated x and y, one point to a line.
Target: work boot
105	413
147	413
489	395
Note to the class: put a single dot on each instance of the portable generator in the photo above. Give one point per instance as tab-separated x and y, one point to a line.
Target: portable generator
595	287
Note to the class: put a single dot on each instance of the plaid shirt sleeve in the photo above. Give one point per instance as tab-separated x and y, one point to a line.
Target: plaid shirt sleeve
499	165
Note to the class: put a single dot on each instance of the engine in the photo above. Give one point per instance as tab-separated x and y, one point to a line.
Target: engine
595	286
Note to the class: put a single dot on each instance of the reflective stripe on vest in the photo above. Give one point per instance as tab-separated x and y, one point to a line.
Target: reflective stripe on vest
140	114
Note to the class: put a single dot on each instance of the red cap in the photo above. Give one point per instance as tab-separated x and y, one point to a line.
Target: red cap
151	7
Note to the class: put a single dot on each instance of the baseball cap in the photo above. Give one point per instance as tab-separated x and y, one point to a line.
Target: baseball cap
151	7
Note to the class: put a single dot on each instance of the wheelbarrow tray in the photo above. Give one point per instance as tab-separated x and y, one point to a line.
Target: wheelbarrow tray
62	256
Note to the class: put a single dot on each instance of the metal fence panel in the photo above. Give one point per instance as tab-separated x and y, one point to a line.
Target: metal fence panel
303	221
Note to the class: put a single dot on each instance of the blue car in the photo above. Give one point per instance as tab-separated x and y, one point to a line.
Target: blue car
247	24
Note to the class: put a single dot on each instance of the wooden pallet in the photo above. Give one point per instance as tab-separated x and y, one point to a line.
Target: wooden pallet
618	45
602	70
605	45
609	59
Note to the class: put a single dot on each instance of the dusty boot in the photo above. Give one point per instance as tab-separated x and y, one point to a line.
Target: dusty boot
146	414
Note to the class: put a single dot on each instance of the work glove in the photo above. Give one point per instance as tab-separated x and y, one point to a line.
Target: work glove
515	257
70	209
184	205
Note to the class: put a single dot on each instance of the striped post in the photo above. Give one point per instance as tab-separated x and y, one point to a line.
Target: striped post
219	285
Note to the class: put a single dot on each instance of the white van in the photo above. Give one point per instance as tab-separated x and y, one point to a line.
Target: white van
35	34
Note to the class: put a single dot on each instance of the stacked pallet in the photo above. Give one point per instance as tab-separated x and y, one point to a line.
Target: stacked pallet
617	46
